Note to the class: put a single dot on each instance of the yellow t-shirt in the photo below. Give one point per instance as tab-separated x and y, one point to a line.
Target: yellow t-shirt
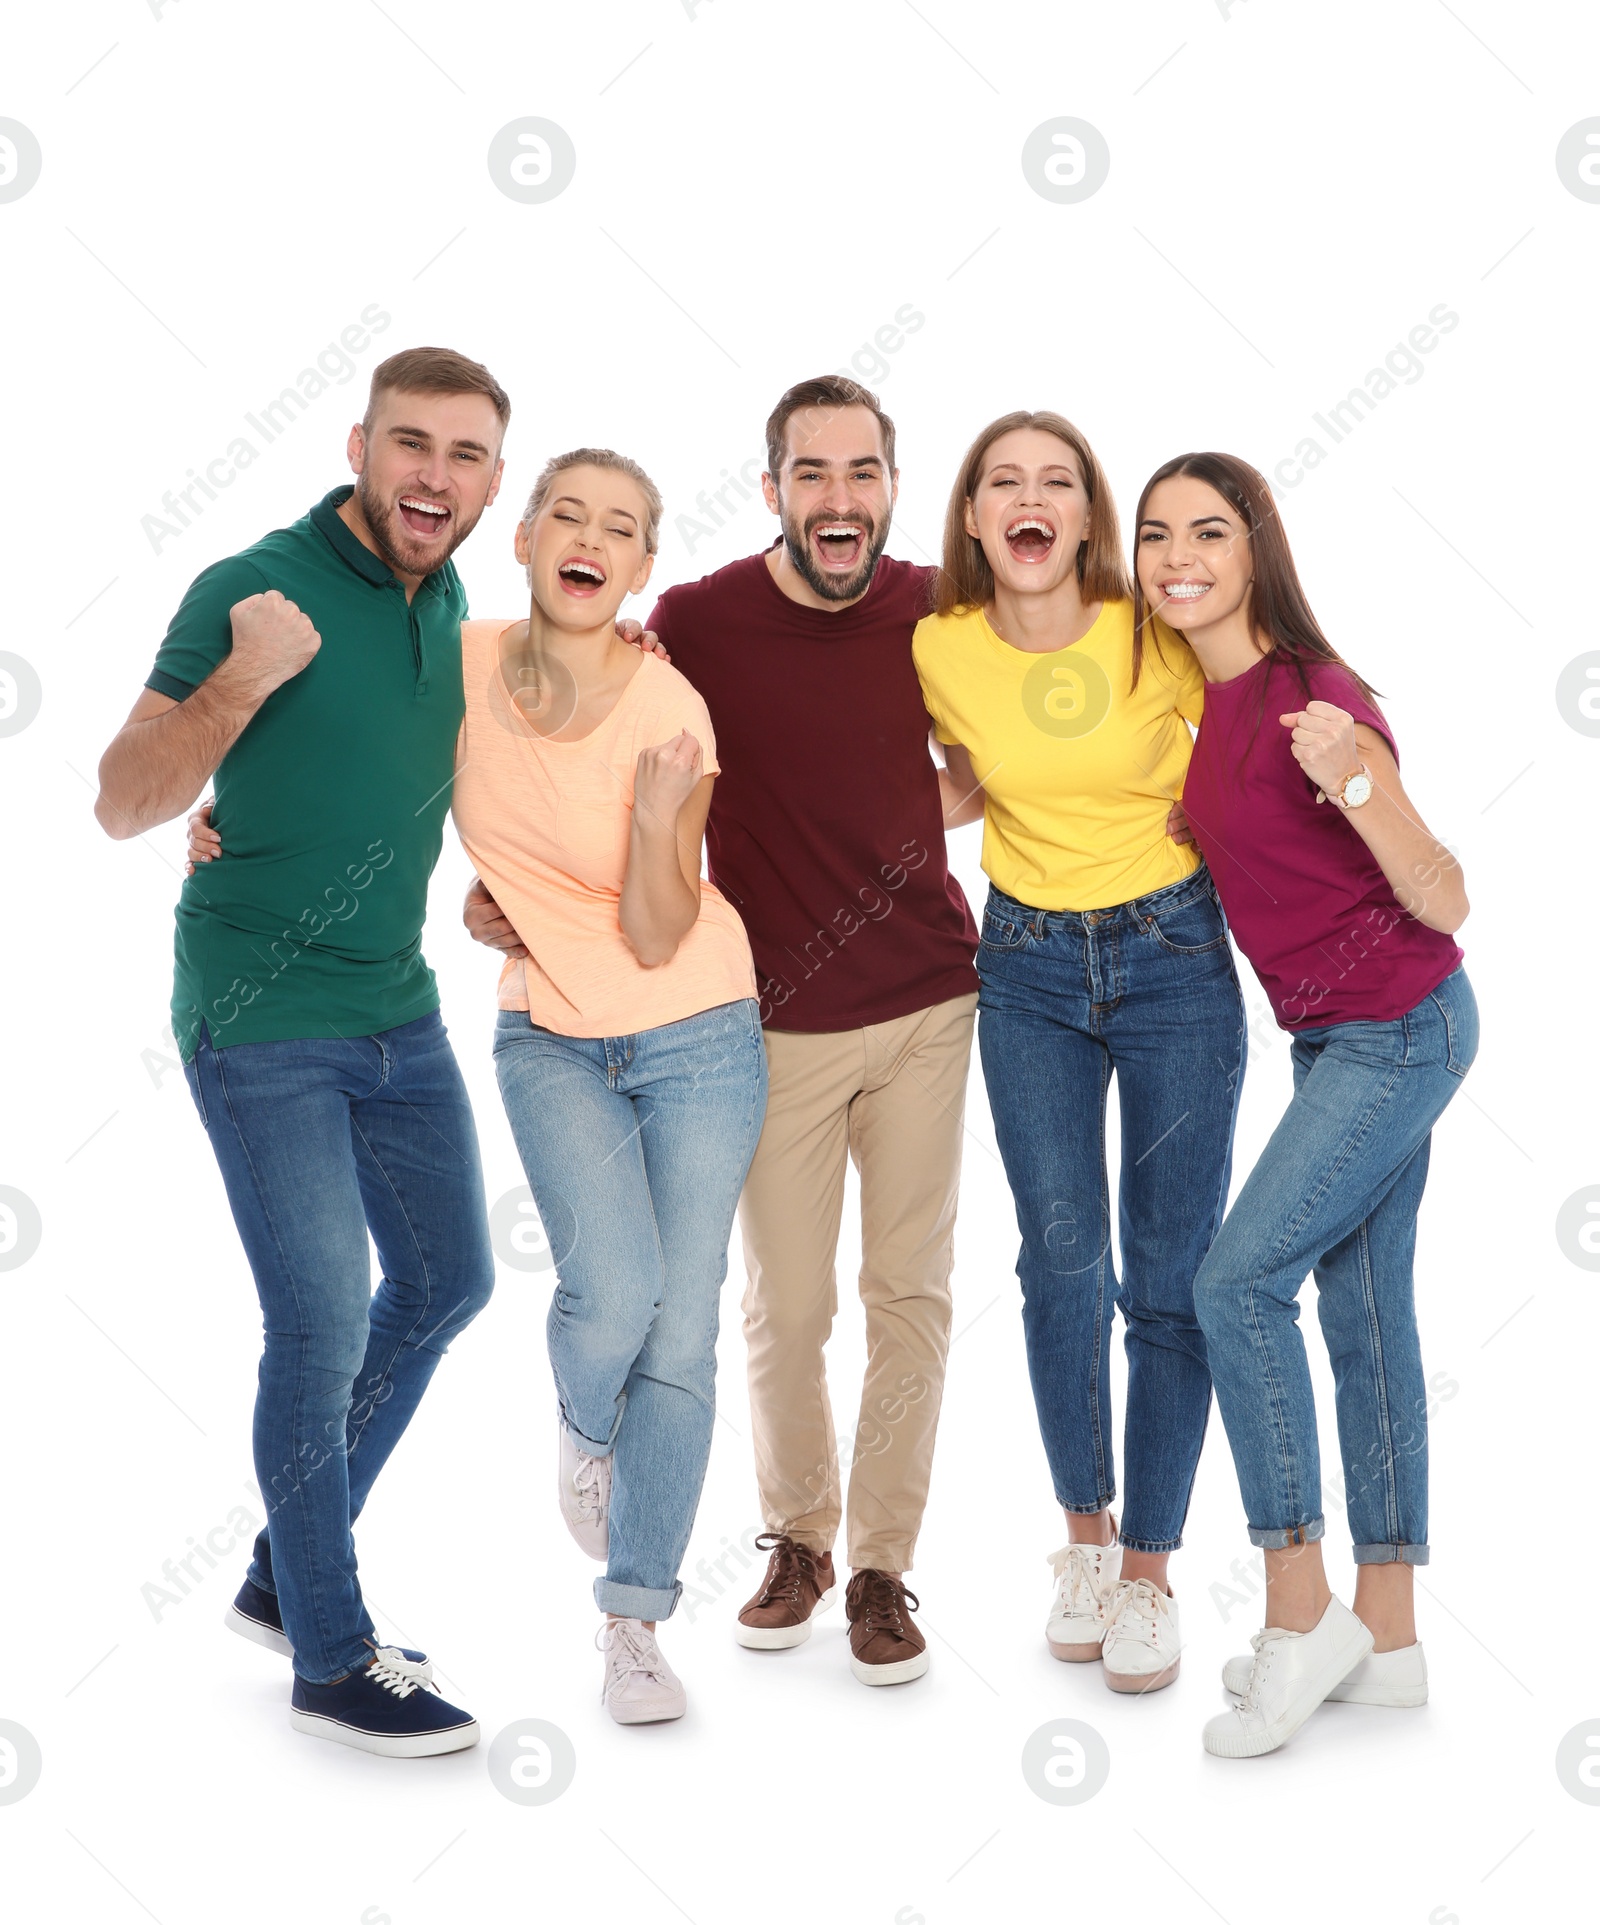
546	824
1078	773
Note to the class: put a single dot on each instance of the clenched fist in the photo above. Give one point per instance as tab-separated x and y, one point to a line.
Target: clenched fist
1323	742
665	777
272	639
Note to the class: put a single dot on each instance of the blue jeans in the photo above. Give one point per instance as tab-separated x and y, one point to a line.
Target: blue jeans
320	1143
1336	1192
636	1149
1146	990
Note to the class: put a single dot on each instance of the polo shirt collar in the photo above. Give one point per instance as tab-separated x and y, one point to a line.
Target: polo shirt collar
325	518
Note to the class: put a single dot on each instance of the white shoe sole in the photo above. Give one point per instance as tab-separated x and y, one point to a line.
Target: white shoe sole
1405	1697
648	1714
901	1673
262	1634
1235	1742
423	1744
781	1637
1139	1682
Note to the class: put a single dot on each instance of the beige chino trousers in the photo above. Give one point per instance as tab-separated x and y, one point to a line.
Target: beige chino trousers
891	1098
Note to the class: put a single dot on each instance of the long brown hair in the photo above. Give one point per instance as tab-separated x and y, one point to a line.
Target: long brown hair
967	581
1281	621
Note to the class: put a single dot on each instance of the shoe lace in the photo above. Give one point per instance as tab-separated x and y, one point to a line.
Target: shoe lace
1132	1610
876	1600
1076	1566
632	1652
587	1482
1263	1645
394	1671
790	1565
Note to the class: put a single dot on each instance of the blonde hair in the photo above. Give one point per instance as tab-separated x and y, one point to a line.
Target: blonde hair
607	458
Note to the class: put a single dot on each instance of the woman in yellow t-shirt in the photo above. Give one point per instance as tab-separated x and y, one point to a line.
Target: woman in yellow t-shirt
628	1048
1103	952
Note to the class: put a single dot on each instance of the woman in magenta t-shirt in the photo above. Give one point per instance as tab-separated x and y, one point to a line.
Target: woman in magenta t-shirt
1346	906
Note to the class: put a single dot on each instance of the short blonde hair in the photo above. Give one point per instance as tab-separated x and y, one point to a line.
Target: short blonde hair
599	458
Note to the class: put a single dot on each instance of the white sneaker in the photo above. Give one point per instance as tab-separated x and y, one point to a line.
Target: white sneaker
1291	1674
1085	1574
640	1686
583	1487
1398	1678
1142	1642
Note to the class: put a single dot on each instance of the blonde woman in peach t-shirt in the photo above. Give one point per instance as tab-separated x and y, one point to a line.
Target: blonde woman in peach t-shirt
628	1047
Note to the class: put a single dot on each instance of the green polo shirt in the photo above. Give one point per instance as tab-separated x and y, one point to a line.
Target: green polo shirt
330	805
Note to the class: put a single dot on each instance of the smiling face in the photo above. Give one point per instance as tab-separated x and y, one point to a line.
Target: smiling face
426	468
1193	553
584	548
1029	510
835	497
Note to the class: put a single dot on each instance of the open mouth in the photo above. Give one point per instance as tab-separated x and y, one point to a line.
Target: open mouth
1030	539
422	516
1185	592
838	545
580	577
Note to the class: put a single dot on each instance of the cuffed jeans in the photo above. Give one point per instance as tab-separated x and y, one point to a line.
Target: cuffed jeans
320	1143
1336	1192
635	1148
1146	990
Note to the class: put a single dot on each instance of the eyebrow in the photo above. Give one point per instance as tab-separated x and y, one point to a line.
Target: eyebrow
1199	521
422	434
821	461
1050	467
579	502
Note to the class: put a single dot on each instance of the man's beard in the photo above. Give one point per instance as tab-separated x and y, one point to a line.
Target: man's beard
393	539
834	588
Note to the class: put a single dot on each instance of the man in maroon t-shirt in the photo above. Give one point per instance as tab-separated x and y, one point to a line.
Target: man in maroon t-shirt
827	834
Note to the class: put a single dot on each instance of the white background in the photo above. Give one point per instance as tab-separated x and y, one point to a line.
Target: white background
1292	189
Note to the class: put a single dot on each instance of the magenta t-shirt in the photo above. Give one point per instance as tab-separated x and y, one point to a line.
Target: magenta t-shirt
1304	896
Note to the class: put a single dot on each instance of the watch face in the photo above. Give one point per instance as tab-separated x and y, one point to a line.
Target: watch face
1357	790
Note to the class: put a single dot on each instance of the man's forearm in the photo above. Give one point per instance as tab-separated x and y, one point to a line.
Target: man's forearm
155	769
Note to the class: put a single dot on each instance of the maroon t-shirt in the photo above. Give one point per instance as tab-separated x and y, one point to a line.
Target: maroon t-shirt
1304	895
826	832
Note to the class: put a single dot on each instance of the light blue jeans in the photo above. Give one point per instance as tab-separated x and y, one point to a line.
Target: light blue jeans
1336	1191
636	1149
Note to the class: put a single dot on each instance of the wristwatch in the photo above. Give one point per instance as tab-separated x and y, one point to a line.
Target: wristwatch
1355	789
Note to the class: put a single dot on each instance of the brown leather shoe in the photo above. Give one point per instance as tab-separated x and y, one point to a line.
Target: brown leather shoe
885	1646
798	1584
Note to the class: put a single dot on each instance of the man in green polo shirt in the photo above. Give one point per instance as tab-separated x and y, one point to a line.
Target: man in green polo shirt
318	676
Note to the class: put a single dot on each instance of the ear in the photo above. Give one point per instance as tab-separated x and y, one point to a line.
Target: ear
969	521
894	489
519	544
769	494
356	449
643	575
494	486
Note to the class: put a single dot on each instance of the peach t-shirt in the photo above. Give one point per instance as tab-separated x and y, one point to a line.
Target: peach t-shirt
546	824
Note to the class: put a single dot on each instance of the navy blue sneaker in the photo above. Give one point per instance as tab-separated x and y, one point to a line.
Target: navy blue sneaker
391	1707
254	1614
